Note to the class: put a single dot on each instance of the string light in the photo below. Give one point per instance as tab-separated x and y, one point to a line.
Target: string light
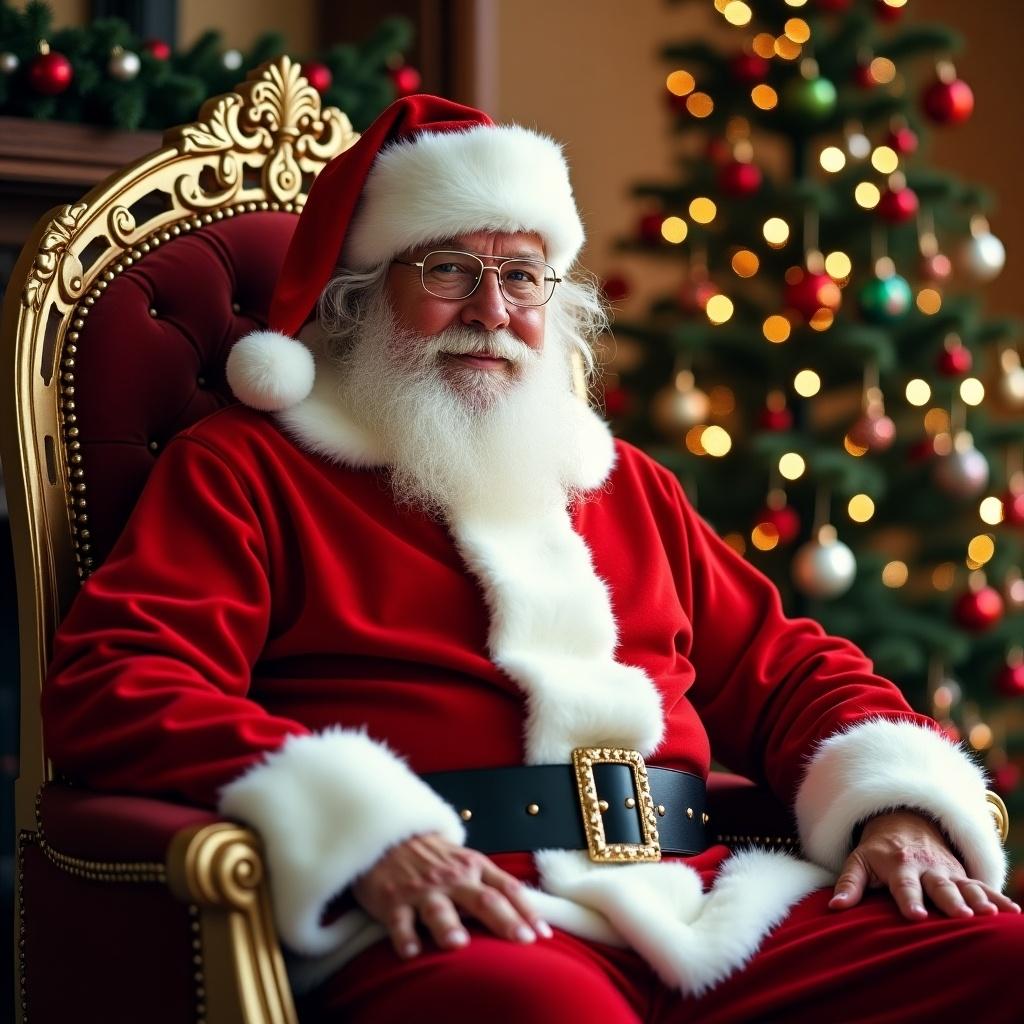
776	232
936	421
680	83
736	542
972	391
981	549
807	383
722	400
792	466
943	576
980	736
919	392
854	449
737	13
895	574
860	508
674	229
700	104
885	160
764	97
745	263
764	536
776	329
797	30
832	159
867	195
716	441
764	45
883	70
991	511
838	265
719	309
693	440
822	319
787	49
703	210
929	301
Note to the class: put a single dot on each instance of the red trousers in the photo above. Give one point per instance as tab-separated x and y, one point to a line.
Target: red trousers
860	965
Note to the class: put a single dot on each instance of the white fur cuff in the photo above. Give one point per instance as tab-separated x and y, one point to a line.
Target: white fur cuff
881	765
327	806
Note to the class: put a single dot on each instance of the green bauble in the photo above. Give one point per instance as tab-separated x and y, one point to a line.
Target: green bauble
810	98
884	300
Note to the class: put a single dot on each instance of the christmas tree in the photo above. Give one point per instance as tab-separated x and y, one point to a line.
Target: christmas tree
822	376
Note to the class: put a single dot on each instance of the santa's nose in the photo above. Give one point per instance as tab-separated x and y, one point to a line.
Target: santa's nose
486	307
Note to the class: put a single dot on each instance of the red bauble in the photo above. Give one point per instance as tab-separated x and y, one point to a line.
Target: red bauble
898	205
886	12
406	80
948	102
876	432
739	179
1010	681
50	73
157	48
784	520
1013	507
1005	779
936	267
616	401
748	68
863	77
694	295
903	140
649	228
922	450
978	610
615	287
318	75
809	292
955	361
775	419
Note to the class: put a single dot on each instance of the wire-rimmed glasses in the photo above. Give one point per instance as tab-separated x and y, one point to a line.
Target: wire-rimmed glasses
450	274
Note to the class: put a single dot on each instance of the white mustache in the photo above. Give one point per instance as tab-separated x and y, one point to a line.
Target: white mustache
461	341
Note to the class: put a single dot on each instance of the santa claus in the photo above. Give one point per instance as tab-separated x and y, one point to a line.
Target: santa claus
463	660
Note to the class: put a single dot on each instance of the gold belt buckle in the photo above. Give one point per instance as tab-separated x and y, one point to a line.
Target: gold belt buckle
600	850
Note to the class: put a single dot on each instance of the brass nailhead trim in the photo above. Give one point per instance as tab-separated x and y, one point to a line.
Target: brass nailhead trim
602	805
689	812
533	809
466	814
630	802
661	810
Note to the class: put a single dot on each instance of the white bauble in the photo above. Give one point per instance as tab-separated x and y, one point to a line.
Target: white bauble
983	256
825	567
962	473
124	65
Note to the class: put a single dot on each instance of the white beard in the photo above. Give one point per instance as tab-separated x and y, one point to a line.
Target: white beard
463	442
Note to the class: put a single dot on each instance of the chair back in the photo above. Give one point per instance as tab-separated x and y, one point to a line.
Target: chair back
117	323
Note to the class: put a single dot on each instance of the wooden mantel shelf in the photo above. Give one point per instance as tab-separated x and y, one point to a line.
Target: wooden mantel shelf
46	163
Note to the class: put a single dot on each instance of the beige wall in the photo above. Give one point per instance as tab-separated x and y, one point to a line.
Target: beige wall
592	77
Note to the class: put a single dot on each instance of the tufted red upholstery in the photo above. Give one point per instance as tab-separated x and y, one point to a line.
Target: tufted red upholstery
142	376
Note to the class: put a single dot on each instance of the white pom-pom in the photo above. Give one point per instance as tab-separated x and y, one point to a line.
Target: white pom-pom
269	371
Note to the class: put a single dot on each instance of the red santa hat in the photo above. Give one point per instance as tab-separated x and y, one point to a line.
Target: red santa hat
427	169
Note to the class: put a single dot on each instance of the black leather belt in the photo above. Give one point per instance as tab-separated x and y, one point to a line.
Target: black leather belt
607	802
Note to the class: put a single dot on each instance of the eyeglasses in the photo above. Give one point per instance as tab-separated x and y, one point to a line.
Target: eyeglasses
456	275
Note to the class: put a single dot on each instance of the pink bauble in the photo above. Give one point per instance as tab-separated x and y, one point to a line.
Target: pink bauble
1010	681
955	361
898	205
948	102
810	292
739	179
978	610
318	75
1013	507
874	432
903	140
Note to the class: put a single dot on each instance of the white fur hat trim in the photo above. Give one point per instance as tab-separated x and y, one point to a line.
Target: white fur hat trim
269	371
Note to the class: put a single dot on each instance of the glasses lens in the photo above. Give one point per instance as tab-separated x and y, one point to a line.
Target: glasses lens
527	282
451	275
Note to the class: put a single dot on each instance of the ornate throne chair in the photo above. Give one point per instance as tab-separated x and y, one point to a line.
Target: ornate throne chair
118	320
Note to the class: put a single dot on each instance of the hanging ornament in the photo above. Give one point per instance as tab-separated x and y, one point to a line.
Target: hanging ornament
947	100
1013	500
778	518
157	48
936	268
807	292
406	80
980	607
775	415
874	431
649	228
9	62
232	59
809	96
616	287
963	473
679	406
748	68
739	179
1013	589
955	360
884	300
124	65
695	293
898	203
824	567
886	11
982	255
1011	381
50	73
318	75
1010	680
903	139
858	145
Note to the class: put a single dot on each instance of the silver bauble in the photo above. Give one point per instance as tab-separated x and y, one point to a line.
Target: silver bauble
983	256
675	410
9	62
962	474
824	567
232	60
1012	385
124	65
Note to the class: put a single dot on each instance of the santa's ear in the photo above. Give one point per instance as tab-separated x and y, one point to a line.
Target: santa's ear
270	371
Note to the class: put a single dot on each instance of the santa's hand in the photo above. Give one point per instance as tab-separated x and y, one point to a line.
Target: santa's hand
906	853
429	879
